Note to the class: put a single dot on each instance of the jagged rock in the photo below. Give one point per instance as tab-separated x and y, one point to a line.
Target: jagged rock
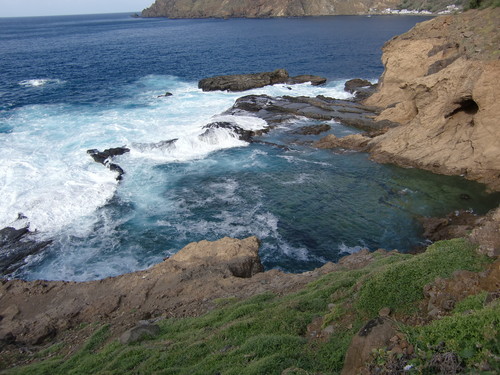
141	331
15	246
244	135
104	158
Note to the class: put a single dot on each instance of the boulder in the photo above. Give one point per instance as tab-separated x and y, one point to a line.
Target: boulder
376	334
141	331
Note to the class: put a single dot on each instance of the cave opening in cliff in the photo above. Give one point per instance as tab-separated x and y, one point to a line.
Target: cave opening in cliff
467	105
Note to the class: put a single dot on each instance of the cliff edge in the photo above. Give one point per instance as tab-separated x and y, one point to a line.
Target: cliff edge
440	84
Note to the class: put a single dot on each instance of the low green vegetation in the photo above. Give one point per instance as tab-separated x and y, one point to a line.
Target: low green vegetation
482	4
269	334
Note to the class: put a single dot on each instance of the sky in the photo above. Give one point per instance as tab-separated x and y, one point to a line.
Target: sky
29	8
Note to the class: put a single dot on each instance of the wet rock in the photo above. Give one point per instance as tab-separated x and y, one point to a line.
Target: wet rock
141	331
276	110
361	88
315	80
166	95
242	82
313	129
104	158
15	246
355	142
243	135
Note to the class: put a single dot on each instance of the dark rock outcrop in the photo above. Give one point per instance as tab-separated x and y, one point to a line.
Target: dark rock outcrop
242	82
279	109
313	129
244	135
15	246
104	158
361	88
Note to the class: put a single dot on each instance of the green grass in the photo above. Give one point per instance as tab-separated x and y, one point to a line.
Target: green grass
400	286
266	334
474	335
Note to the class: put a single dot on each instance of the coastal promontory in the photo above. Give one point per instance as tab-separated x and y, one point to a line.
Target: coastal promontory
263	8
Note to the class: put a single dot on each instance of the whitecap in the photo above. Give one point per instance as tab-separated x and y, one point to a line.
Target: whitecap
39	82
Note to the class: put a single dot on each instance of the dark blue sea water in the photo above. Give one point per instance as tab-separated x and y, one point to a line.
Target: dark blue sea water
68	84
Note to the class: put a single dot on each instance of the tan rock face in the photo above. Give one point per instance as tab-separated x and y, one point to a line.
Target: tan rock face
440	83
262	8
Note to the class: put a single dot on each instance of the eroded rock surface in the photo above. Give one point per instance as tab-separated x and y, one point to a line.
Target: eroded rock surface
440	84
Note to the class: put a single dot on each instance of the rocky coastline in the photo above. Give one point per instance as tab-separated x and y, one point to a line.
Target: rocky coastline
292	8
436	107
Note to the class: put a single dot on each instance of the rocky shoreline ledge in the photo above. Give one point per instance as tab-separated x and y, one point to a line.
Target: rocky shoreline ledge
440	114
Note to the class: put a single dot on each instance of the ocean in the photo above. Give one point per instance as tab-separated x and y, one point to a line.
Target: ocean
73	83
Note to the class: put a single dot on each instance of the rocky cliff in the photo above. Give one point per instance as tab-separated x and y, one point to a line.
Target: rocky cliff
440	84
263	8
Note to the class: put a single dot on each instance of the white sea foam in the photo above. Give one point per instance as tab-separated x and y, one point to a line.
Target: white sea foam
40	82
344	249
46	174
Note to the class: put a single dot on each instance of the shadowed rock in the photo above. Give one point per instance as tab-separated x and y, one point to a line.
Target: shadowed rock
15	246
